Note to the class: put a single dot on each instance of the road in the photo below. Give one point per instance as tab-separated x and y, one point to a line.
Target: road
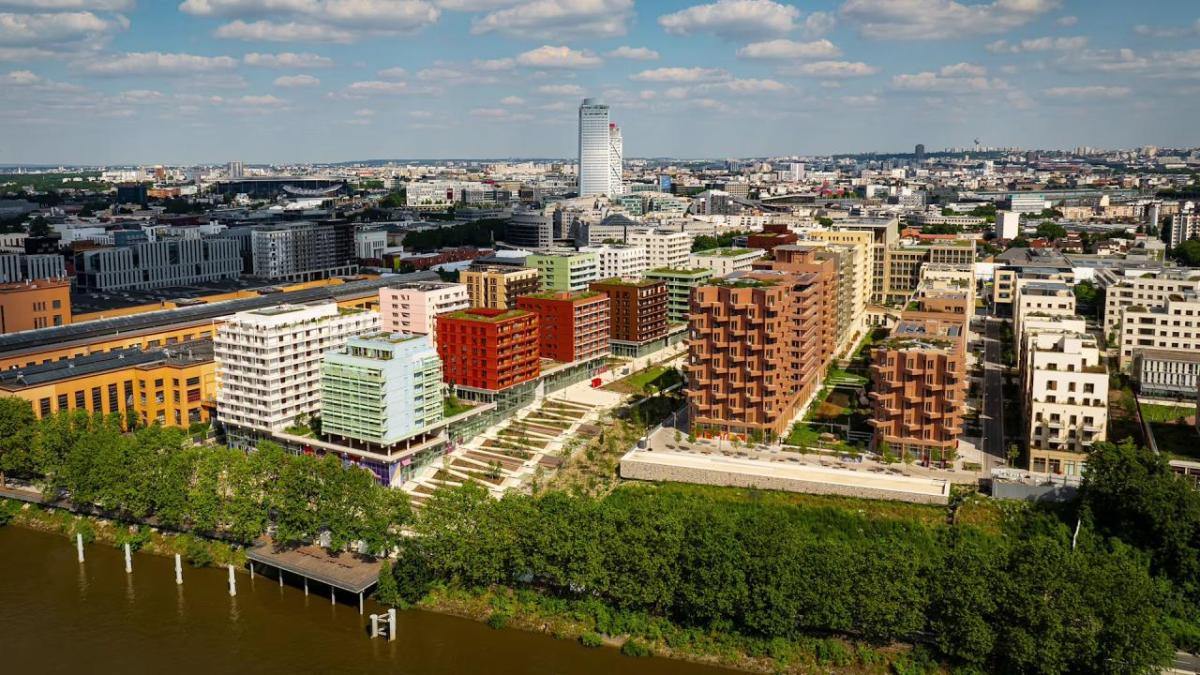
992	418
1186	663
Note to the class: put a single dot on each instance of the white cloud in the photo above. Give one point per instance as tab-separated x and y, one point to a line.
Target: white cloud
830	69
547	56
66	5
395	73
494	64
818	24
287	60
1043	44
558	19
561	89
1159	64
1168	31
501	114
634	54
59	32
375	88
364	112
680	75
420	114
959	78
155	63
1067	21
296	81
314	20
451	75
292	31
512	100
940	19
783	48
20	78
1089	92
733	19
746	86
141	96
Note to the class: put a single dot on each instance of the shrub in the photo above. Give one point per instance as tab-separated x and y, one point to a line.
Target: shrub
136	536
636	648
591	640
196	551
498	620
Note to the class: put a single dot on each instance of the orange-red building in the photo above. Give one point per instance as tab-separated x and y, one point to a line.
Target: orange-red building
772	235
755	353
39	303
823	267
571	326
488	349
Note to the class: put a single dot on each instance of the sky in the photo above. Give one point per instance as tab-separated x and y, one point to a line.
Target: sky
281	81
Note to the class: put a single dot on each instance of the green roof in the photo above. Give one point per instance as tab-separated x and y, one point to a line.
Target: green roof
471	315
617	281
558	295
743	283
727	252
680	271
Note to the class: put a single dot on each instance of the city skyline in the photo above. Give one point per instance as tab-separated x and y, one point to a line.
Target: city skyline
200	81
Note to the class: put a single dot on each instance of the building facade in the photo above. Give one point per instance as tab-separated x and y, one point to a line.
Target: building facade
637	309
753	354
595	153
269	361
919	378
571	326
159	264
726	261
1152	289
1065	385
680	282
565	271
413	307
40	303
381	389
663	249
498	287
619	261
488	349
1174	326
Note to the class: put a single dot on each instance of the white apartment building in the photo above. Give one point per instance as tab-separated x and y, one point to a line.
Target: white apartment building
269	363
663	249
370	244
626	262
725	261
1152	289
21	267
1037	299
1008	224
413	307
595	154
1183	226
1066	399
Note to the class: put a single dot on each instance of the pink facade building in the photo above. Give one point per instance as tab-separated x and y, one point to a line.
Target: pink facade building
413	307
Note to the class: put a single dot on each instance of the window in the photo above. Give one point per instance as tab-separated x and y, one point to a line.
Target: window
44	407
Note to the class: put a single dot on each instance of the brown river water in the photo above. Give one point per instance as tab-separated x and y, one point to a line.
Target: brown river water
60	616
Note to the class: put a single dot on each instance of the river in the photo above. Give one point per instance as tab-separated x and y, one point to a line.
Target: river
60	616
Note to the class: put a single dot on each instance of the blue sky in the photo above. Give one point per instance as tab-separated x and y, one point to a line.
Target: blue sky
184	81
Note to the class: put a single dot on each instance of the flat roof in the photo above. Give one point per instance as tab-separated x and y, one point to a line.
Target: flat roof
725	252
198	351
89	331
348	571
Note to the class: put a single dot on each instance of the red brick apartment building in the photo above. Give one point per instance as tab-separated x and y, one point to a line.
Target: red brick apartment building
490	349
572	326
919	378
754	355
819	263
637	309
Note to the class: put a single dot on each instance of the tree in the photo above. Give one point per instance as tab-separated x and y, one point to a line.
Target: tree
1188	253
16	436
1051	230
38	227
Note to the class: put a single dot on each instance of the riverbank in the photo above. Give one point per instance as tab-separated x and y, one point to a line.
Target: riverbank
198	551
643	635
591	624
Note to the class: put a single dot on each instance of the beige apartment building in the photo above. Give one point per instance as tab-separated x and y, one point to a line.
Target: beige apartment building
903	264
1037	300
1174	326
498	286
1065	385
1153	289
663	248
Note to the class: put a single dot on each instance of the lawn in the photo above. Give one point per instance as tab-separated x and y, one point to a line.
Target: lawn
452	406
660	377
1152	412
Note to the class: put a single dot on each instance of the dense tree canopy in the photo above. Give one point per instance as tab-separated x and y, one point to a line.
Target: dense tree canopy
1188	253
159	472
1021	601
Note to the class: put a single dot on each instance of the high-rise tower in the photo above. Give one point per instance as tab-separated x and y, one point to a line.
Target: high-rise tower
616	160
594	148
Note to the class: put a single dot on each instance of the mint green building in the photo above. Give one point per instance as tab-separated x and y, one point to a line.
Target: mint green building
680	283
381	389
571	272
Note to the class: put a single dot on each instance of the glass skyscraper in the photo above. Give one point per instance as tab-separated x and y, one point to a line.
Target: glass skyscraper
594	149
